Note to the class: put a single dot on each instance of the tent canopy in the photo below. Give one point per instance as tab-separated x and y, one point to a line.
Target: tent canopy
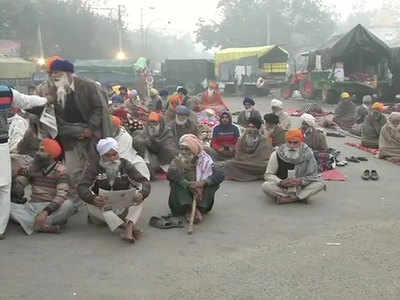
105	64
360	42
236	54
16	68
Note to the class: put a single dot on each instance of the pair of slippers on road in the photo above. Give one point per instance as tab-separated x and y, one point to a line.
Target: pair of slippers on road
370	175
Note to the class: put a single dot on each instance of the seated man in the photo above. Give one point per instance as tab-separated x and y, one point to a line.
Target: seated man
48	210
225	137
284	118
274	130
192	174
156	144
345	112
313	137
127	151
252	153
389	140
155	103
361	114
292	172
372	126
248	112
212	98
183	123
112	173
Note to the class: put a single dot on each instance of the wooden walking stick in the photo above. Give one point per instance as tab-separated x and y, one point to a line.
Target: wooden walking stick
191	221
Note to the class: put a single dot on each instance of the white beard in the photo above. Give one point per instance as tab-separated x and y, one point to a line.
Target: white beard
154	130
293	154
63	87
112	169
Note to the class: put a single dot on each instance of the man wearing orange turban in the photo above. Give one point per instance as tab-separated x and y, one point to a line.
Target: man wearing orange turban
49	208
372	126
292	171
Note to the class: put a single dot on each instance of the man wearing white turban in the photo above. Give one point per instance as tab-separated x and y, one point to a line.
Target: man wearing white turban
112	173
284	118
313	137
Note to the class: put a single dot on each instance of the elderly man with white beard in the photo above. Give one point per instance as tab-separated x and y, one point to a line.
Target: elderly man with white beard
82	116
292	171
112	173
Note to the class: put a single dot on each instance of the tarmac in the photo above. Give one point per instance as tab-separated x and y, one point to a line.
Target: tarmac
343	244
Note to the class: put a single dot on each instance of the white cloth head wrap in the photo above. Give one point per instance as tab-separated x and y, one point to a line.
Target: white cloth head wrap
309	119
105	145
276	103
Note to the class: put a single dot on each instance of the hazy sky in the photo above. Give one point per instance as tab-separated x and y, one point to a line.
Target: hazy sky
183	14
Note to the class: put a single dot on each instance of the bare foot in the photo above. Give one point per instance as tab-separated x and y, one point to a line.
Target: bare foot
198	217
128	234
137	232
286	199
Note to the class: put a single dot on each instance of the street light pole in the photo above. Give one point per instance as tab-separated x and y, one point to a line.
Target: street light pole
120	29
268	28
142	30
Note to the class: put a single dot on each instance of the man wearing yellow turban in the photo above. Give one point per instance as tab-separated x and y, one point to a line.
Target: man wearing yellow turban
292	171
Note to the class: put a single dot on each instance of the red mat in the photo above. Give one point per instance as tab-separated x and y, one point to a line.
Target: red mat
334	175
361	147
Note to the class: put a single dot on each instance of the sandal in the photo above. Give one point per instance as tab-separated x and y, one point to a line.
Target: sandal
342	163
374	175
366	175
362	158
166	222
352	159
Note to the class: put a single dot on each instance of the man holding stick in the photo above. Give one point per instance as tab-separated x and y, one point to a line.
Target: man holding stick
192	176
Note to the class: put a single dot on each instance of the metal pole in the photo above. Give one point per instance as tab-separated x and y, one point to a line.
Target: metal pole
120	28
268	28
40	42
142	29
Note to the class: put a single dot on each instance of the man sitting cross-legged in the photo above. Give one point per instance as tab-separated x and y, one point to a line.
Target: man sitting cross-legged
48	209
292	171
112	173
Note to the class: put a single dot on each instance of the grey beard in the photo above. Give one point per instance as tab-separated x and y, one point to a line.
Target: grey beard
63	88
293	154
112	170
181	123
251	142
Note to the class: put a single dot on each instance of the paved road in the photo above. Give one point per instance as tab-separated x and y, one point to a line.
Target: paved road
248	248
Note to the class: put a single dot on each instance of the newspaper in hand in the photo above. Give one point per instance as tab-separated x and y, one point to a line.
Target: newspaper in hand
48	118
119	200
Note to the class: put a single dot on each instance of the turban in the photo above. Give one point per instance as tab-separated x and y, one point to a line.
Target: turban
52	148
153	92
133	93
309	119
50	62
182	110
61	65
116	121
257	122
276	103
345	95
295	136
105	145
163	93
271	119
154	117
117	99
249	100
176	100
192	142
378	106
394	116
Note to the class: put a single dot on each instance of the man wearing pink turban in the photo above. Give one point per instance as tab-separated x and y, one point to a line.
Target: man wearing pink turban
192	174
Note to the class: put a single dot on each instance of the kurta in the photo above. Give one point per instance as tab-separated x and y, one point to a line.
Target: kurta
389	143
